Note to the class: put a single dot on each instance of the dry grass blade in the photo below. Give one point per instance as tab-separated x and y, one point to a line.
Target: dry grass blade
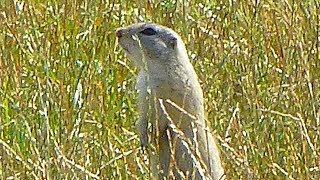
258	64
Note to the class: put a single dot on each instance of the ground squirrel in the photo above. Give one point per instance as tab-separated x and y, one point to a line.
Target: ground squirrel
171	98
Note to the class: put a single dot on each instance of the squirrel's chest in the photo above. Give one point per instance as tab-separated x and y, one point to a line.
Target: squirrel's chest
170	82
167	86
168	79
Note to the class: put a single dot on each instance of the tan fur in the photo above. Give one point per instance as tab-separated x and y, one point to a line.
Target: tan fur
170	97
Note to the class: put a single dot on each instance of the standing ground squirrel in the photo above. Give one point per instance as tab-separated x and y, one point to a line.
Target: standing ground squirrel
170	97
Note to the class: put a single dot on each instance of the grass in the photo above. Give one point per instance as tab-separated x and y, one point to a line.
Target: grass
68	103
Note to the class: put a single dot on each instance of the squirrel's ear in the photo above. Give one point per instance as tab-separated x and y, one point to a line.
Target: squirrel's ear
173	42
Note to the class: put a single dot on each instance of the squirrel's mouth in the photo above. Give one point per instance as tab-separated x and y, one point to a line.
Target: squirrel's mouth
123	47
126	50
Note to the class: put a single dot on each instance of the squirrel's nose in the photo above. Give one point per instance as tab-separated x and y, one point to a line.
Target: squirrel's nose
119	33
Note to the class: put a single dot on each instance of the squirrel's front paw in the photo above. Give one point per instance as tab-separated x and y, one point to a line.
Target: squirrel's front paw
144	140
142	126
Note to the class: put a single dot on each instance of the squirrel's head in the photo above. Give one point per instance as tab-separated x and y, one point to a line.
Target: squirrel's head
150	41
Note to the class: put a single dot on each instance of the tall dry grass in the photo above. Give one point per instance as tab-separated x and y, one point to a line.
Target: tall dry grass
67	98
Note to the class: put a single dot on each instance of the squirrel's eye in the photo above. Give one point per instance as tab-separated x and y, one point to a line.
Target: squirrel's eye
149	32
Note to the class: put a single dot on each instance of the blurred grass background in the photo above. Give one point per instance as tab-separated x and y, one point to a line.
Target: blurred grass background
68	102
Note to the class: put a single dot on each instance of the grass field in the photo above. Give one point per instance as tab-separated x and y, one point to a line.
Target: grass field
68	102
